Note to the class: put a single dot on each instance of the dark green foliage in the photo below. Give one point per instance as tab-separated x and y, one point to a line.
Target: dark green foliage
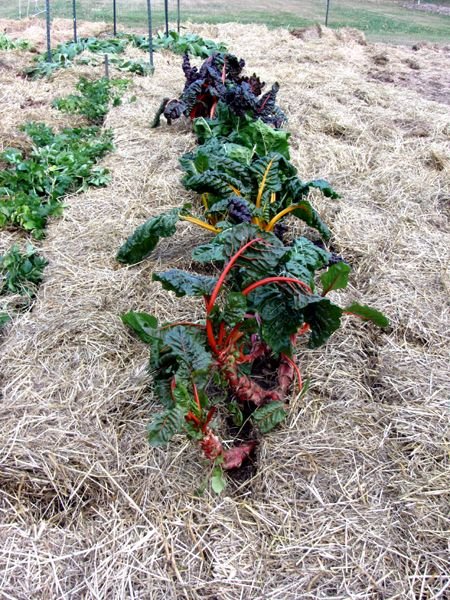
184	283
335	278
94	99
145	238
269	416
32	187
21	272
366	313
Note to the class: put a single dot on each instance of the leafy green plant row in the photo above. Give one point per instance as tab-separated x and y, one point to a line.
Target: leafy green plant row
32	186
7	43
20	273
94	98
263	293
64	54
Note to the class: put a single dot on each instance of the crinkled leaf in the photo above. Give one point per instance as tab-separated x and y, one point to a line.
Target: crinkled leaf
311	217
188	345
368	314
324	187
235	308
258	260
165	425
263	138
144	325
324	318
214	182
303	259
269	416
146	237
184	283
335	278
211	252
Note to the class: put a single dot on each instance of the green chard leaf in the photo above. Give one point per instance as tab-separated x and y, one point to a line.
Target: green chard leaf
324	318
235	308
184	283
368	314
146	237
211	252
303	259
335	278
165	425
188	345
144	325
269	416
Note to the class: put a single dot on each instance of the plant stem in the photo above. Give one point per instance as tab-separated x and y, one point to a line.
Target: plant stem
200	223
225	272
280	279
280	215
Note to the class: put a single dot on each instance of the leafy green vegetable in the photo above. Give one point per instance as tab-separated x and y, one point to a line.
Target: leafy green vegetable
336	278
184	283
143	325
21	272
367	314
32	187
146	237
94	99
269	416
6	43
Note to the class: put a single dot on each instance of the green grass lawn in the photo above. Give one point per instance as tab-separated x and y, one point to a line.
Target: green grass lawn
381	20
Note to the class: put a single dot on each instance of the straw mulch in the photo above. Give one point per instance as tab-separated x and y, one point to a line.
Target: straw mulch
350	498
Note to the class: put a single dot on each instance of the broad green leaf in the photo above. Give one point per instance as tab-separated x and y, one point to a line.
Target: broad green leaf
259	259
236	413
218	481
311	217
303	259
235	308
263	138
368	314
211	252
165	425
184	283
324	318
269	416
324	187
188	345
335	278
146	237
144	325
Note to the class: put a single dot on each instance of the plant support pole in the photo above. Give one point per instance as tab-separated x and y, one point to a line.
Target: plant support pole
150	39
115	17
74	10
48	24
178	16
327	13
166	16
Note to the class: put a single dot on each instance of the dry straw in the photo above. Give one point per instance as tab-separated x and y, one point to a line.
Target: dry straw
350	499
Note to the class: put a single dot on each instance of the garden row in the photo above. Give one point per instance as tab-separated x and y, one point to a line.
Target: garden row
268	291
33	186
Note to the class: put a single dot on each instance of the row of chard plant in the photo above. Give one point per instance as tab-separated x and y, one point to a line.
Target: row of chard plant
268	290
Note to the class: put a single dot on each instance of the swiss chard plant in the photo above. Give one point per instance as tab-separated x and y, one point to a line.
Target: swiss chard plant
264	297
220	78
249	179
